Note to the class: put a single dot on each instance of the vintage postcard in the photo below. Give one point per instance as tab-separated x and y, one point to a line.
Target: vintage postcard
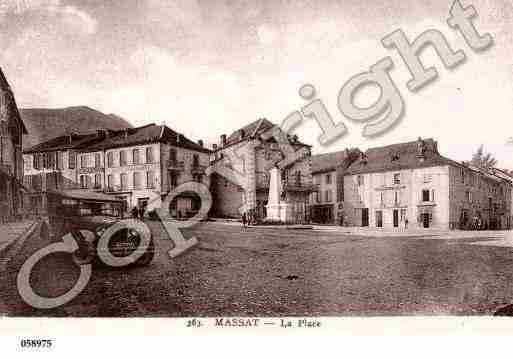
262	165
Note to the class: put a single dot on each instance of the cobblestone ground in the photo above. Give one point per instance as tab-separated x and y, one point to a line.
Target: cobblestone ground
278	272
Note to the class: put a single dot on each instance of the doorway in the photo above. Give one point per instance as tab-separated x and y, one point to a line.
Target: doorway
365	217
396	218
379	219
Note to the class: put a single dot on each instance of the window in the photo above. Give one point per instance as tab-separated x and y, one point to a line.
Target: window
468	196
173	180
327	195
137	180
397	178
328	178
149	155
110	181
98	181
123	180
85	181
110	159
381	198
427	178
359	179
150	178
97	160
318	197
425	195
85	161
59	163
462	173
135	156
36	161
396	198
432	195
298	178
49	160
72	160
403	214
195	160
122	158
172	155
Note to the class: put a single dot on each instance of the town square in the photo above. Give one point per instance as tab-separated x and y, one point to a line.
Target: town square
139	179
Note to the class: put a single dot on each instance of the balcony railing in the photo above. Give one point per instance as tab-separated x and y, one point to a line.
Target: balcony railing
289	183
198	169
262	180
116	188
175	165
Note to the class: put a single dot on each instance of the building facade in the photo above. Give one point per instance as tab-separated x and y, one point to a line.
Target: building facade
12	130
327	202
254	153
139	165
412	185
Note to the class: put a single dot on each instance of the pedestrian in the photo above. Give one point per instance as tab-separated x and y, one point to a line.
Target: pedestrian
141	212
244	220
134	212
406	223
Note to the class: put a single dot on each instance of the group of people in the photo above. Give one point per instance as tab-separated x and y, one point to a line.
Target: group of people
138	212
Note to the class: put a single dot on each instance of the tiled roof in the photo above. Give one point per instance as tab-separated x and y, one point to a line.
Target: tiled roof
120	138
254	129
251	130
400	156
326	162
72	141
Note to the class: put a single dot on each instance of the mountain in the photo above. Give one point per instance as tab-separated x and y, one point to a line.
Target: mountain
43	124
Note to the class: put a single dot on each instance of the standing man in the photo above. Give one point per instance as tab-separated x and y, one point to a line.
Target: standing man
244	219
406	223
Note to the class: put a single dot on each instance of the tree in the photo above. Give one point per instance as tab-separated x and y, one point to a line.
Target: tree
483	160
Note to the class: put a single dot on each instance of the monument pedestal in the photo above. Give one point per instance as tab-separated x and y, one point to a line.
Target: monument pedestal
280	212
277	210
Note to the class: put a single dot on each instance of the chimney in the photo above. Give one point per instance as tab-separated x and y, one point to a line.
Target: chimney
177	138
241	134
223	140
200	142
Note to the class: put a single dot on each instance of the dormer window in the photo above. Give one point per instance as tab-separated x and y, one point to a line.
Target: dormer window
395	157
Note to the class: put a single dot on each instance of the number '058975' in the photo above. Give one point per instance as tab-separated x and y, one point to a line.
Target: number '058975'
36	343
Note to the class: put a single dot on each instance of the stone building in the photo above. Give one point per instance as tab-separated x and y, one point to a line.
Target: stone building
12	130
139	165
327	202
412	182
255	153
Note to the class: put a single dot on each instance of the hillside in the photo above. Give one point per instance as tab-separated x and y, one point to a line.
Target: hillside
44	124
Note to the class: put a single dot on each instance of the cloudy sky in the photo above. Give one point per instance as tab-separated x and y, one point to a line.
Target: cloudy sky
206	67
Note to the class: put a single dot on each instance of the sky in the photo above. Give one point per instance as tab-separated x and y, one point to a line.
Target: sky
208	67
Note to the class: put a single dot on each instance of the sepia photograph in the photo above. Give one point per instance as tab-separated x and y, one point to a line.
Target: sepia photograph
269	164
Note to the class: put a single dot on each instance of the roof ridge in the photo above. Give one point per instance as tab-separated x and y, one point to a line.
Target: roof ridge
257	127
